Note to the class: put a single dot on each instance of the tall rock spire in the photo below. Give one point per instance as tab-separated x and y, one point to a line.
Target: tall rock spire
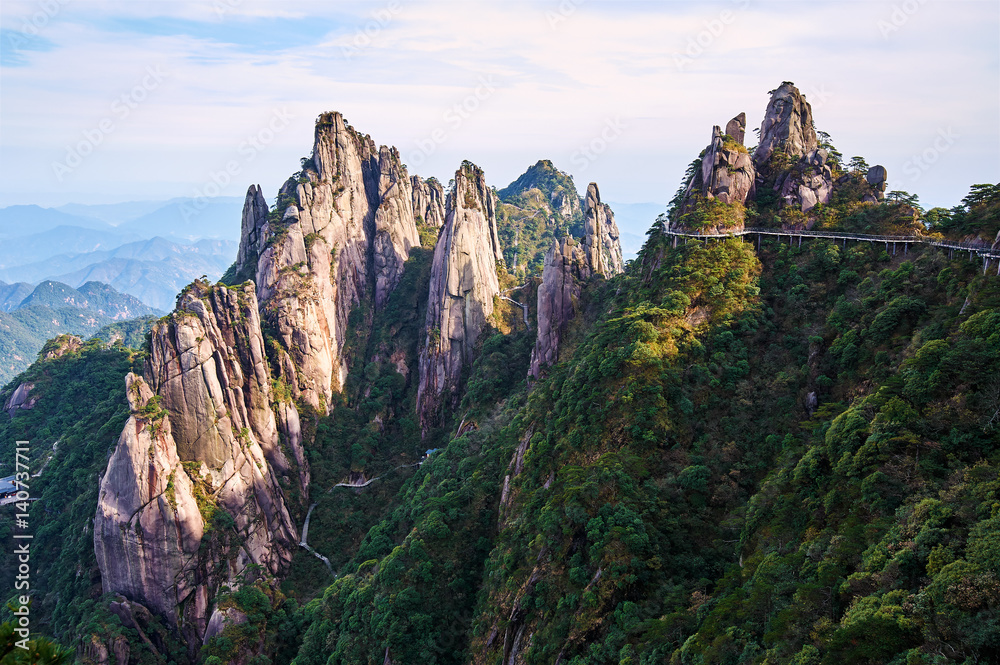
726	175
601	236
568	266
463	284
344	227
207	443
787	125
428	201
395	227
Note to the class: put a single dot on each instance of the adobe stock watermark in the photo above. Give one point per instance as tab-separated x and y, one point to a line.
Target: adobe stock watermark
712	29
919	164
365	35
565	9
453	118
248	150
22	605
32	25
588	153
898	17
121	108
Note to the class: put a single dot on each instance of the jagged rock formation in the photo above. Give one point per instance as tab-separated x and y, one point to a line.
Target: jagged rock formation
201	439
252	230
566	269
727	173
788	129
601	236
787	125
428	201
737	127
393	240
568	265
463	285
346	224
807	183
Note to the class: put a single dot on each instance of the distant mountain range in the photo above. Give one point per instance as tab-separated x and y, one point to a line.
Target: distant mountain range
148	249
633	220
30	316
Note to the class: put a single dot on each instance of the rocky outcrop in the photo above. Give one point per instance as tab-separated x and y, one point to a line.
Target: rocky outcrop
787	125
463	284
428	201
808	183
600	236
737	127
346	223
877	179
395	227
727	172
566	269
21	398
253	229
568	266
202	441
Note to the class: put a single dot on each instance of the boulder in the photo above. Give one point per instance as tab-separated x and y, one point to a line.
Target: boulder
727	174
877	179
21	398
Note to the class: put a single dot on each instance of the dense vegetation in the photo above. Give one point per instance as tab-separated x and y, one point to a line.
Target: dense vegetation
777	455
80	412
53	308
542	204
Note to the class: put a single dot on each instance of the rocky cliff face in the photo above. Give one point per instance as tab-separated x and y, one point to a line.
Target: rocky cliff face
568	265
428	201
395	227
566	269
787	125
463	284
202	442
601	236
344	227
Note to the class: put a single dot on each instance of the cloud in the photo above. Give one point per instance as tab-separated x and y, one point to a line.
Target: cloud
561	70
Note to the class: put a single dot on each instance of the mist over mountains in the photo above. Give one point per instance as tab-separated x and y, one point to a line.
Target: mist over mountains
148	249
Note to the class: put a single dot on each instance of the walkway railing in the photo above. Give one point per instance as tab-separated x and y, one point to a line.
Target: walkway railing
986	252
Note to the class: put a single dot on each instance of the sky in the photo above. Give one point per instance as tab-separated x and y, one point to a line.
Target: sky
104	102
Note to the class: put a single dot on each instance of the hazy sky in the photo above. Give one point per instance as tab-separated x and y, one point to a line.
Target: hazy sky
116	101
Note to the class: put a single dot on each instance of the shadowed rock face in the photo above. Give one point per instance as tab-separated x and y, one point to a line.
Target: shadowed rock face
568	265
463	284
428	201
566	269
395	227
787	125
216	430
